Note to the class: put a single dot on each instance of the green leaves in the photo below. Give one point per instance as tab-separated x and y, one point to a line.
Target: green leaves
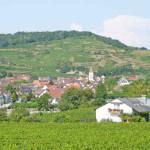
100	95
43	102
74	136
74	98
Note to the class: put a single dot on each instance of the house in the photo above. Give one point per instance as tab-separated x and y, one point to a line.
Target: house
123	81
25	89
39	92
50	87
37	83
68	80
22	77
44	79
2	99
5	97
114	108
5	82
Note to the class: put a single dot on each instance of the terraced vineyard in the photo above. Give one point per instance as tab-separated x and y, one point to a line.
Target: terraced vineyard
46	58
75	136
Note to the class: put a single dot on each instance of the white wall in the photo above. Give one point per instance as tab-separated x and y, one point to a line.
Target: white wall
103	113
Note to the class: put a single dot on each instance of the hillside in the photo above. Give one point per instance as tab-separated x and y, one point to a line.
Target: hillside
56	53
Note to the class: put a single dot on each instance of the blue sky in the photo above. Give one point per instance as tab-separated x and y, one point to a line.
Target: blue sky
98	16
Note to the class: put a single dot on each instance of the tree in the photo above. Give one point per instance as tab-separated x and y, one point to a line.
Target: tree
14	96
100	95
30	96
18	113
88	82
136	89
9	88
3	74
86	96
10	74
24	98
43	102
3	115
70	99
51	82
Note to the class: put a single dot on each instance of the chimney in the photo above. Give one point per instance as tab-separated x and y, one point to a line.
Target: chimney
144	99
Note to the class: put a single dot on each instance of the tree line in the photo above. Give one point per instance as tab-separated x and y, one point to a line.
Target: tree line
10	40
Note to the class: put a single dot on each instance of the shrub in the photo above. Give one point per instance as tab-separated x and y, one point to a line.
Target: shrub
3	115
24	105
32	118
18	113
143	119
61	118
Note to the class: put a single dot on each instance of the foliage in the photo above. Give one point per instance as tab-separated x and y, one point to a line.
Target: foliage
137	89
65	51
10	74
100	95
133	118
30	96
23	98
122	70
70	99
33	118
86	96
9	88
3	73
62	136
20	82
18	113
74	98
110	82
51	82
75	115
14	96
7	40
43	102
61	118
3	115
24	105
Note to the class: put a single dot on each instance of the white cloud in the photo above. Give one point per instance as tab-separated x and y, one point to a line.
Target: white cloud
76	27
131	30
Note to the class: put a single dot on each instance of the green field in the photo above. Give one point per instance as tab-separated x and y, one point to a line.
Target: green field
74	136
47	57
72	130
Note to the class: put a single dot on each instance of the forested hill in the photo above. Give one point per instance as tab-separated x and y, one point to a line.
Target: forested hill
64	53
9	40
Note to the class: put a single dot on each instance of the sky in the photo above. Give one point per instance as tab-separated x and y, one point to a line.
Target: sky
125	20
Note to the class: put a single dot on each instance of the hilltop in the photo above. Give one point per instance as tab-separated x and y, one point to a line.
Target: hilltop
57	53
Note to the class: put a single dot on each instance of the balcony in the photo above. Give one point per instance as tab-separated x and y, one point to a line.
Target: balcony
115	111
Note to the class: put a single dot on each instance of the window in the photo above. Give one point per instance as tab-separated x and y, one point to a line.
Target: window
116	106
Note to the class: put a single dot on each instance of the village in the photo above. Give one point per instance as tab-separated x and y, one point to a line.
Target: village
55	87
12	92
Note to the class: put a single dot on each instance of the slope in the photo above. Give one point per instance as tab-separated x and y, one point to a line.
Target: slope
58	57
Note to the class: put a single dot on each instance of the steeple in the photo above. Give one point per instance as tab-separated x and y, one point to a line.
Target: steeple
91	69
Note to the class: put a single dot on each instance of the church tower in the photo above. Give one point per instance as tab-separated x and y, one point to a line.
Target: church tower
91	74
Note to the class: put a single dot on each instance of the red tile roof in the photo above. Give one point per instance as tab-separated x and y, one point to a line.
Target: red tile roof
51	87
133	78
56	93
116	87
74	85
39	84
